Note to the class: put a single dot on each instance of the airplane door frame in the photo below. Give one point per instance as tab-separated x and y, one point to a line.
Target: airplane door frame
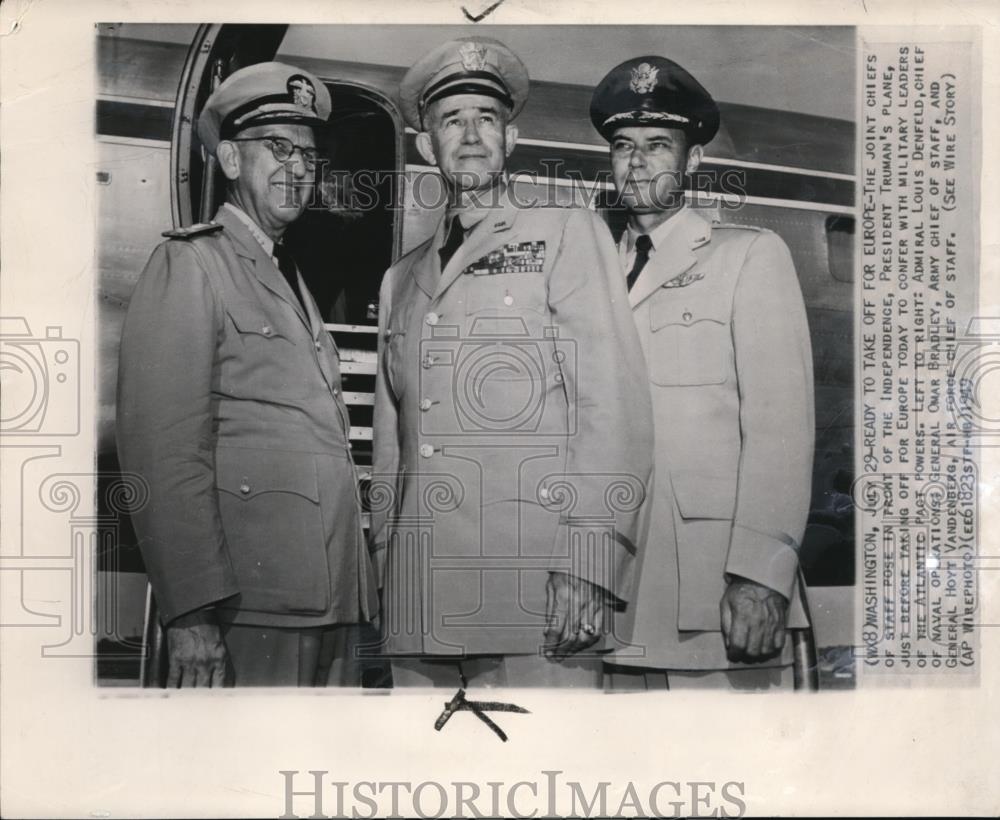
389	106
217	50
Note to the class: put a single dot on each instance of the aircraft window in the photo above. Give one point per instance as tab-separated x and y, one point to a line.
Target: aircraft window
840	247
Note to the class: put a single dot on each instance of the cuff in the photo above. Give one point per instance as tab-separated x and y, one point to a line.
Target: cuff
196	593
605	558
770	560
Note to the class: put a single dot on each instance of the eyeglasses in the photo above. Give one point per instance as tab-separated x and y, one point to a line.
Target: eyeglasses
283	149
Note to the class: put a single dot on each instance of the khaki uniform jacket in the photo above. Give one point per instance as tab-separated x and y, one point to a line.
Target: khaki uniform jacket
229	407
512	419
723	328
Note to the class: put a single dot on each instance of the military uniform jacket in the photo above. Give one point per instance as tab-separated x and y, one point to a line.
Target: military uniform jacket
512	430
723	328
229	407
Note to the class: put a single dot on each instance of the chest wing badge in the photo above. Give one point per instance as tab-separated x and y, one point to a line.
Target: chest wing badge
685	279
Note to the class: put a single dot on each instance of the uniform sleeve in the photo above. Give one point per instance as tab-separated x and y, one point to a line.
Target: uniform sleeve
610	446
777	422
164	428
385	441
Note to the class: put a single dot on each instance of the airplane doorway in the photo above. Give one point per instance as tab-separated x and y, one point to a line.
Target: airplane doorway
348	238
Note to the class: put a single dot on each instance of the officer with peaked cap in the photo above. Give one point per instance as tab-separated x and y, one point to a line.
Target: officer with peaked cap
654	92
509	368
473	65
723	328
229	406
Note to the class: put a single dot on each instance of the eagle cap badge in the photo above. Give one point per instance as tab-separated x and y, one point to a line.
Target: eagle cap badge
643	78
473	56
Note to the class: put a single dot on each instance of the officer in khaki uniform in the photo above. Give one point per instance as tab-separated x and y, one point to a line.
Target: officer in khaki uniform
512	424
723	328
229	406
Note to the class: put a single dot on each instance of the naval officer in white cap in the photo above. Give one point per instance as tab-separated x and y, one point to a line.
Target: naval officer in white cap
229	406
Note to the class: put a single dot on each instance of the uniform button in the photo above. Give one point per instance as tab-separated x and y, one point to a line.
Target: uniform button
245	488
508	300
336	392
543	493
426	450
431	318
425	404
266	330
687	316
319	346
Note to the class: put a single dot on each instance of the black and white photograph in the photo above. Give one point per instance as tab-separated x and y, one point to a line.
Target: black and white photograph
435	401
501	411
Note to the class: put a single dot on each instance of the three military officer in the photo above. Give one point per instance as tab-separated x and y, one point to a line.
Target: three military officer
229	406
723	328
507	494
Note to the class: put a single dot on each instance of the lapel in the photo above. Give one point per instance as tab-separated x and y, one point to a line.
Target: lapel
315	320
263	266
675	257
481	238
426	268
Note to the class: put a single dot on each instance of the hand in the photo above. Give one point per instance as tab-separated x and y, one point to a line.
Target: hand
753	621
574	615
196	651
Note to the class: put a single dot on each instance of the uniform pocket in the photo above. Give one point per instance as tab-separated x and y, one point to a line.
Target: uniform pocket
691	343
269	504
251	320
510	307
260	357
704	495
505	294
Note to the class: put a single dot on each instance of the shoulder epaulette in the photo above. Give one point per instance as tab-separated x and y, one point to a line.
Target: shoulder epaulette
190	231
738	226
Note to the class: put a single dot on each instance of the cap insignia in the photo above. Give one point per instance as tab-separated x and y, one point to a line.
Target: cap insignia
302	93
473	56
643	78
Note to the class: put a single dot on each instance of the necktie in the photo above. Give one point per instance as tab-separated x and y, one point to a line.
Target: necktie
456	233
286	264
643	245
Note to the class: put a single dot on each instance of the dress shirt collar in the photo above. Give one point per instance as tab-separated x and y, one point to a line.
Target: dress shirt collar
477	204
658	235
